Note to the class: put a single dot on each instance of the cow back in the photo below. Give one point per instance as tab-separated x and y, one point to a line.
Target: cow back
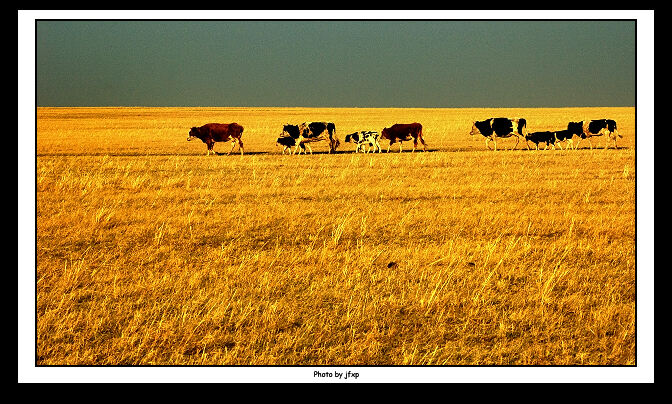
563	134
315	129
402	131
221	132
286	141
502	126
596	125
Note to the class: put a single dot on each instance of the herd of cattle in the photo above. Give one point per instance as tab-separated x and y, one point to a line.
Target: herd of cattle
300	136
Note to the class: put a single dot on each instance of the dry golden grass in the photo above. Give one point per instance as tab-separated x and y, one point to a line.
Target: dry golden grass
149	252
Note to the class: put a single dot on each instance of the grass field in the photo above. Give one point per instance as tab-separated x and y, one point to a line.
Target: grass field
148	252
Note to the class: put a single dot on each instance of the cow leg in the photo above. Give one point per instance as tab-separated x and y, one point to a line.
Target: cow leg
240	146
611	137
516	145
400	150
487	142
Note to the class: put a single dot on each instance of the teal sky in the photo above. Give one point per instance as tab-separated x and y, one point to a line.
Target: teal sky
372	63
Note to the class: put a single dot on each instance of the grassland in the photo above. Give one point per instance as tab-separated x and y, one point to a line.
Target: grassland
150	253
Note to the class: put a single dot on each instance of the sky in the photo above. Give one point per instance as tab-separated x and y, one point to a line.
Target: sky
336	63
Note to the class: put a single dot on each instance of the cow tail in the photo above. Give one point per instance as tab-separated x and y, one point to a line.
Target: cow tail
331	128
422	138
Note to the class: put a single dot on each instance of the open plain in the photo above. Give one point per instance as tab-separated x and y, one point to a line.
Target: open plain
149	252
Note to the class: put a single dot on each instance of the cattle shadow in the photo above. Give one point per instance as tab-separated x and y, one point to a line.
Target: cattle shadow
252	153
457	149
384	151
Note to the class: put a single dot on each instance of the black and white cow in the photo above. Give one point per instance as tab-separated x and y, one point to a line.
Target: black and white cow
493	128
366	140
547	137
596	127
287	142
313	132
566	135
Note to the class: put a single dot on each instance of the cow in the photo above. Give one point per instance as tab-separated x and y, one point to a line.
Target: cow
400	132
363	139
313	132
547	137
287	142
566	135
218	132
493	128
596	127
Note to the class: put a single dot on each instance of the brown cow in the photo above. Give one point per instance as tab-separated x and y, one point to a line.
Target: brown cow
403	132
218	132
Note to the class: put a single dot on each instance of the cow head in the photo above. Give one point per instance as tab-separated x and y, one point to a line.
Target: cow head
385	134
193	132
291	130
474	131
575	128
520	126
